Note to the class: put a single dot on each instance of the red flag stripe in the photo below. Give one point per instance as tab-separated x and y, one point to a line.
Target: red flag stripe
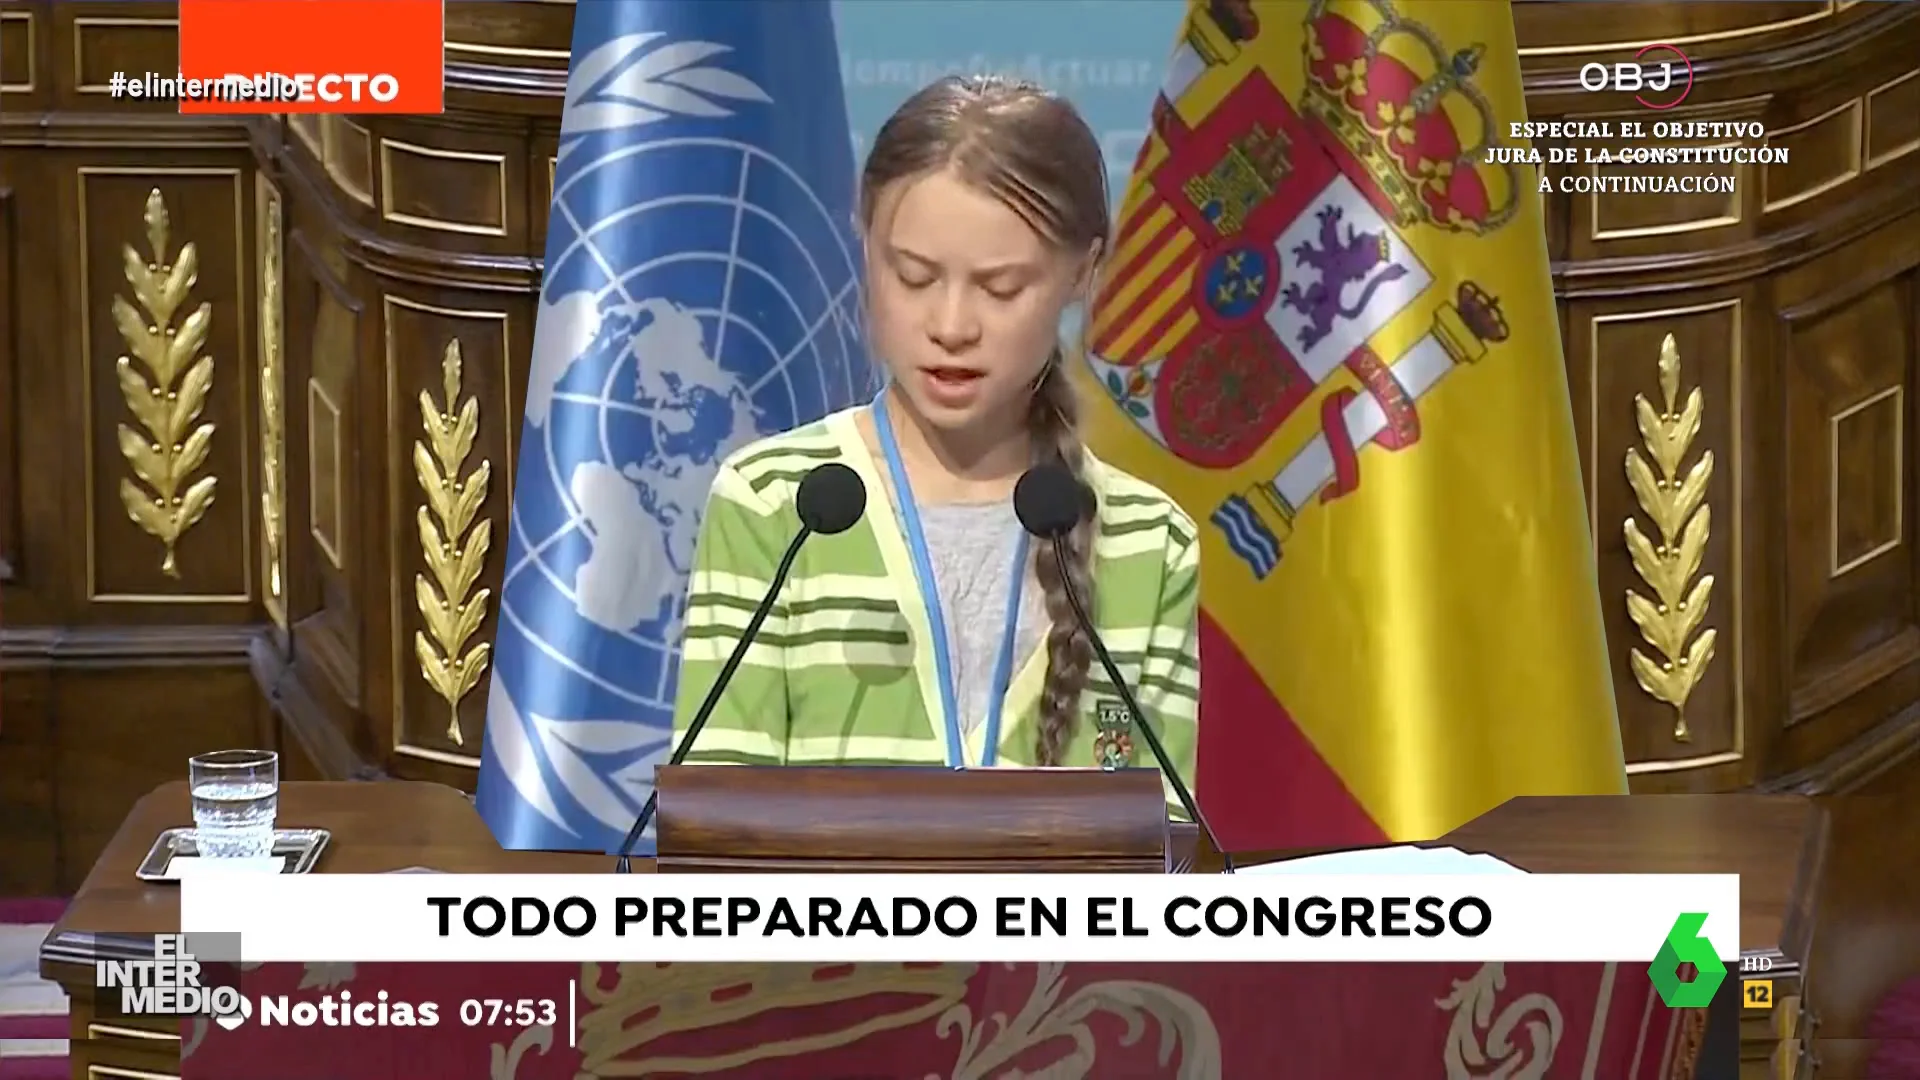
1261	784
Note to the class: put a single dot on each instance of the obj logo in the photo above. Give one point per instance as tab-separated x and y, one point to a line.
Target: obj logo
1662	78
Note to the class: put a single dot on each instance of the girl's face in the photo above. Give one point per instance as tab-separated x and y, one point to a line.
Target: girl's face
965	300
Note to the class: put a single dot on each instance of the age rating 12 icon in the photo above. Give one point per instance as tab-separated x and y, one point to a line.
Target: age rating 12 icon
1684	945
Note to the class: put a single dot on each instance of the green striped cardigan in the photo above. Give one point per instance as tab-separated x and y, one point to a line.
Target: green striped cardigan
843	672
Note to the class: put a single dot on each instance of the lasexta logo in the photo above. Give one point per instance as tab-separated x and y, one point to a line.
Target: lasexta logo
1684	945
1660	77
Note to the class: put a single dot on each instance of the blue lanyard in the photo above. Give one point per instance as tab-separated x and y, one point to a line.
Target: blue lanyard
930	597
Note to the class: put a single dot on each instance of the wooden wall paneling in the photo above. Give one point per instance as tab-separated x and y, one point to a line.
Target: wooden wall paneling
29	765
332	379
311	745
326	346
19	77
434	221
9	403
1890	129
37	558
346	153
29	822
441	189
1847	357
1614	225
21	70
129	710
1553	29
26	743
101	39
116	670
1825	151
1846	684
1824	83
328	488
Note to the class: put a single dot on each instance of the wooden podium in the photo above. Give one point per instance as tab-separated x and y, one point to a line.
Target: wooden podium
896	819
1775	843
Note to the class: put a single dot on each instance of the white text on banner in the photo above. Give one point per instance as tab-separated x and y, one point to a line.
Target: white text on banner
815	918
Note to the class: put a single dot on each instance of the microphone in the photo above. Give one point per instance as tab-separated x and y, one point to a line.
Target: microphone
831	500
1050	501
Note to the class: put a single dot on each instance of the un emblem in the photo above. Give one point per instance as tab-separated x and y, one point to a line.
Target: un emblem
699	292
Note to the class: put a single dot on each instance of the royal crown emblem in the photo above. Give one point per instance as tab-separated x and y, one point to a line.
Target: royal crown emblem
1406	108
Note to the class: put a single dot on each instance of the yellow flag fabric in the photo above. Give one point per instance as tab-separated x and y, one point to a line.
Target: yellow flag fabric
1328	329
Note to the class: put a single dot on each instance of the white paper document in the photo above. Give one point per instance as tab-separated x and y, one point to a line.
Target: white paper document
1400	859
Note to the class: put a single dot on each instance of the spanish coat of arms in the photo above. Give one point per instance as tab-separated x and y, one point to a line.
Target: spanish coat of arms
1268	245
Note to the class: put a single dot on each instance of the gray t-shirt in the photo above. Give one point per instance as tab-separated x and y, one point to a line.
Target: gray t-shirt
971	547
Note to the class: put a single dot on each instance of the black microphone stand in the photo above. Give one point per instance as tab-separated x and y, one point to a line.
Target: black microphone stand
1160	754
622	864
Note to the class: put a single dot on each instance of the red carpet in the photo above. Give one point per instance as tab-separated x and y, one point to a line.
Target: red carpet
33	1012
1896	1023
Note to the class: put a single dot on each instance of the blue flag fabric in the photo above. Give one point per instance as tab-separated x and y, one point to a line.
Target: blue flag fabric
702	289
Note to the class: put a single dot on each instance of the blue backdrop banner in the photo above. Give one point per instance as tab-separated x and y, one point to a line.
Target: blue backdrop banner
1106	56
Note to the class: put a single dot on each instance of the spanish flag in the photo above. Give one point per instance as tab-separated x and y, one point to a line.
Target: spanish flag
1328	329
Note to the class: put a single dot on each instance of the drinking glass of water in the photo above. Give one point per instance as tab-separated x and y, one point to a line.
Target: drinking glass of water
235	796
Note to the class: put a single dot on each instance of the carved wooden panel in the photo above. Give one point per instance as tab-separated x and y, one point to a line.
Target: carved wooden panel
1551	29
547	166
1787	307
1850	597
1660	390
19	67
304	130
116	670
9	404
437	180
346	150
455	191
324	356
529	37
450	462
327	442
101	45
164	327
1891	129
1824	151
1631	223
269	272
29	820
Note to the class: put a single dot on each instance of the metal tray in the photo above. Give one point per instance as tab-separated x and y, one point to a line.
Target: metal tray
297	849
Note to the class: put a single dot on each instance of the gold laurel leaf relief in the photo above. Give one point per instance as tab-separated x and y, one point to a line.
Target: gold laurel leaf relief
1667	553
165	381
454	541
272	401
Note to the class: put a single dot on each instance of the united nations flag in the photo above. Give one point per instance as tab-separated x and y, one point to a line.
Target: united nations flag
701	289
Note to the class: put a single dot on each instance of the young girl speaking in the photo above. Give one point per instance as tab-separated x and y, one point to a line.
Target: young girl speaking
933	632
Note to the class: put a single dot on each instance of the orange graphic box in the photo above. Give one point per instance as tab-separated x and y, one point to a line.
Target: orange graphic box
344	56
